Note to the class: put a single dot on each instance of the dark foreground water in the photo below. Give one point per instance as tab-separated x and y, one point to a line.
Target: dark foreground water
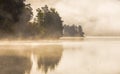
86	56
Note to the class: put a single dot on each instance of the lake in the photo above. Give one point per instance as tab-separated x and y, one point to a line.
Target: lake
66	56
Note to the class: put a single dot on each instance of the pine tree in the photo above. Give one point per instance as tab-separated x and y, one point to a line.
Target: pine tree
49	23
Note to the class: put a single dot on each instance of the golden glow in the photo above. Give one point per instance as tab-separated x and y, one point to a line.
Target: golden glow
98	17
75	57
34	69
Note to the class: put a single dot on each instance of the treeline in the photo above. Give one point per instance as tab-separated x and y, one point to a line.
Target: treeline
73	31
48	23
15	18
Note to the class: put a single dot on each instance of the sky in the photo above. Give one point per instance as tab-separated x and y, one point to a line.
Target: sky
97	17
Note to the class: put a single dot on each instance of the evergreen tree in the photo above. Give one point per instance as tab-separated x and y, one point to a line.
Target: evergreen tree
14	16
9	14
49	23
22	26
73	30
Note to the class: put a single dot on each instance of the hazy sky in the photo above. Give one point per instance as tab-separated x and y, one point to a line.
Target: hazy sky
97	17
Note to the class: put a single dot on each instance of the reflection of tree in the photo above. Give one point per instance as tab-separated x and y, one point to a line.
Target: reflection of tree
49	57
14	64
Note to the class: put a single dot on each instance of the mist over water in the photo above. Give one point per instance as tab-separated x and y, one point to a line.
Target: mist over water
88	56
96	53
98	17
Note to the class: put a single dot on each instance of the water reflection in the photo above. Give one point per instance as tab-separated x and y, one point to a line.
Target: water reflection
29	60
78	57
14	64
48	57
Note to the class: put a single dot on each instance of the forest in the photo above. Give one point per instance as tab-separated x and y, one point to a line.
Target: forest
15	16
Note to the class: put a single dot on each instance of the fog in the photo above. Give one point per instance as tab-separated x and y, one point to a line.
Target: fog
97	17
90	56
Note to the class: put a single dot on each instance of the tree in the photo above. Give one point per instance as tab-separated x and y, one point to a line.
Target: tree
49	23
14	16
73	30
80	31
22	26
9	13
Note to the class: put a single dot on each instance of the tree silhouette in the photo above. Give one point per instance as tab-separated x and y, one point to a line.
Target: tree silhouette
14	14
73	30
49	23
22	27
9	13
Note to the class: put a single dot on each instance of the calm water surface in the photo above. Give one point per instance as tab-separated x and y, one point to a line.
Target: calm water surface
86	56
